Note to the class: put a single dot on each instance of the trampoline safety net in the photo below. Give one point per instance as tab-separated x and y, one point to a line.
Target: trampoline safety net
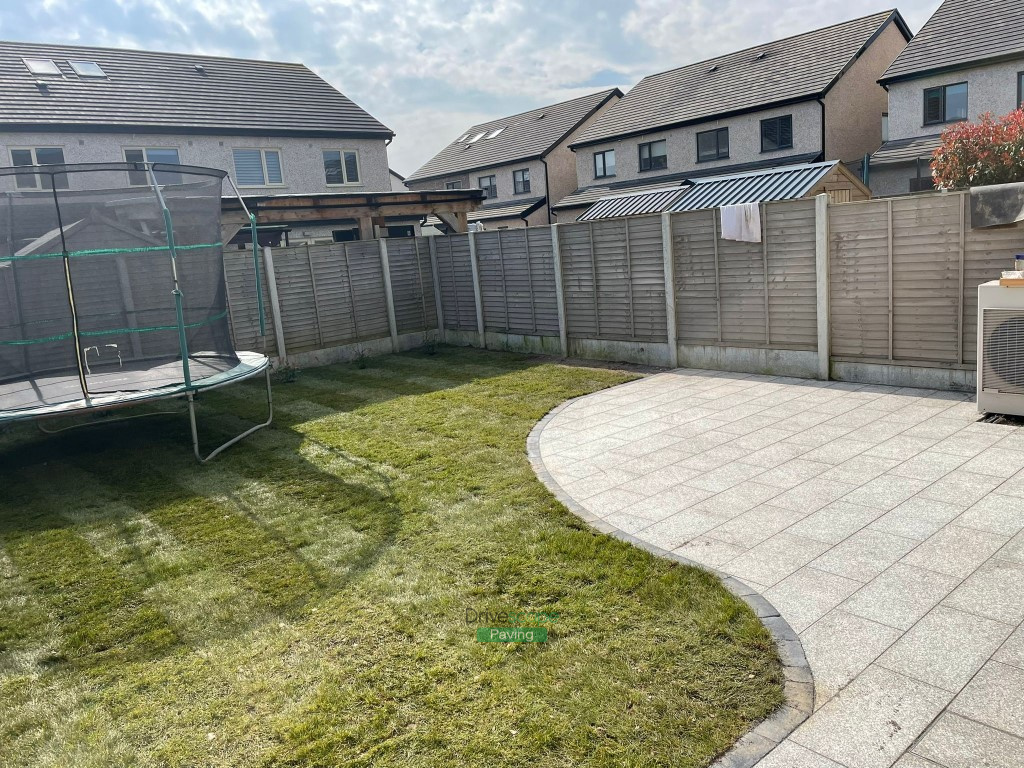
110	283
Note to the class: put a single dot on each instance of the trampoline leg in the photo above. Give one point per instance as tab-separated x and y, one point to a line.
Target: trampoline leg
232	441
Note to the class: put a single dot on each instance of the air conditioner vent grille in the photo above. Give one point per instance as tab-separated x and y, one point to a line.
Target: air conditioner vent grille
1003	351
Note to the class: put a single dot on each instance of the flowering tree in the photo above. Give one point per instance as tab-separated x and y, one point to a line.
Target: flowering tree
990	151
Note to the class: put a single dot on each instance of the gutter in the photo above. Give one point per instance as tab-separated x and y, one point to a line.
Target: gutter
958	67
821	101
547	190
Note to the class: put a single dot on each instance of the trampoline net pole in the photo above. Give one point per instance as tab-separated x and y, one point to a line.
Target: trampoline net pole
71	293
255	260
256	270
178	307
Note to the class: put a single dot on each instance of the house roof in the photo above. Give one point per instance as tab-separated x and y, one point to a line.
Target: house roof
783	71
788	182
144	91
959	34
906	150
591	194
522	137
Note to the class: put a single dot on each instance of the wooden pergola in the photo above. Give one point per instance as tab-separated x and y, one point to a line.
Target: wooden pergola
368	208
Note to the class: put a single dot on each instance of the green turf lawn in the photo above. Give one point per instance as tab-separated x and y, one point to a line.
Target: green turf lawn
301	600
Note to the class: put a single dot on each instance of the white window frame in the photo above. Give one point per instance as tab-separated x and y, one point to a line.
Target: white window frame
78	71
344	171
263	160
26	59
145	159
35	161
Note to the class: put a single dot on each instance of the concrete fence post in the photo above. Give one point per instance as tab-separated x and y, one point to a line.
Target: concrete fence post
670	289
389	296
477	296
438	304
275	304
556	257
821	266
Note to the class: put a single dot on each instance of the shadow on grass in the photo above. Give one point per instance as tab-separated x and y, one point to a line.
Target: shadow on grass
77	509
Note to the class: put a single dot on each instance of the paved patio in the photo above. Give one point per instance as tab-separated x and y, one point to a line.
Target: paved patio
884	524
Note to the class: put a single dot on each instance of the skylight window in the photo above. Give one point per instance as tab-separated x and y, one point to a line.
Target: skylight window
475	138
87	69
463	137
42	67
495	132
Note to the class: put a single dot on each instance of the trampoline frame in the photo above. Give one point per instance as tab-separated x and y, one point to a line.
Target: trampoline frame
189	389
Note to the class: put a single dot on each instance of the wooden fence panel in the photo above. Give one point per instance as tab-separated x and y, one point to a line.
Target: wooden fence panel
243	307
412	284
859	279
792	274
987	252
455	275
580	281
694	249
368	296
647	279
334	292
742	289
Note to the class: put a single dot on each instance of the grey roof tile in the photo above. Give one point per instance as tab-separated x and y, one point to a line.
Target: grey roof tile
148	91
798	67
961	33
523	136
906	150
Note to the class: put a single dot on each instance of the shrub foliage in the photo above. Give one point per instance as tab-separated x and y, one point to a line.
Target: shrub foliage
989	151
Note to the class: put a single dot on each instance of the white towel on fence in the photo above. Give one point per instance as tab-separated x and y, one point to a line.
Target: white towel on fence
742	222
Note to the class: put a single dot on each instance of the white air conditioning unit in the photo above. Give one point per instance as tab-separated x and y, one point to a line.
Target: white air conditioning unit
1000	349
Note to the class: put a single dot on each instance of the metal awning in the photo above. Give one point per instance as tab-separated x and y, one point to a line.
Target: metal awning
786	182
635	204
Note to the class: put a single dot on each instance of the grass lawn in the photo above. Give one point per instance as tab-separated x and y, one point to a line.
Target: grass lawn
301	601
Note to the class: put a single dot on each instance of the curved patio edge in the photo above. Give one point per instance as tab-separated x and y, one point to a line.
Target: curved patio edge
753	746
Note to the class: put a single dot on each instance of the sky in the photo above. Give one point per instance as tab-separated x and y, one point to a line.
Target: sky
428	69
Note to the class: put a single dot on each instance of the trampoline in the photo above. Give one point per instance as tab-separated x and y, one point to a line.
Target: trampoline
113	292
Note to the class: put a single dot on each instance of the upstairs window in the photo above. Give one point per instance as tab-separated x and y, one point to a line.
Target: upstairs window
604	164
140	178
39	156
777	133
258	167
713	145
453	185
341	166
1020	88
945	104
42	67
87	68
654	155
521	180
489	184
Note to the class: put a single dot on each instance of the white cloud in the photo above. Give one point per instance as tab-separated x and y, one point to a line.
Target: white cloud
429	68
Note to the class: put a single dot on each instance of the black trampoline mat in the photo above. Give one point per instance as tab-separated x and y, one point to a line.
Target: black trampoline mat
54	389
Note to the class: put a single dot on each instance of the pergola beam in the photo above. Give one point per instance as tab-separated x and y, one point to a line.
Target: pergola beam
369	209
